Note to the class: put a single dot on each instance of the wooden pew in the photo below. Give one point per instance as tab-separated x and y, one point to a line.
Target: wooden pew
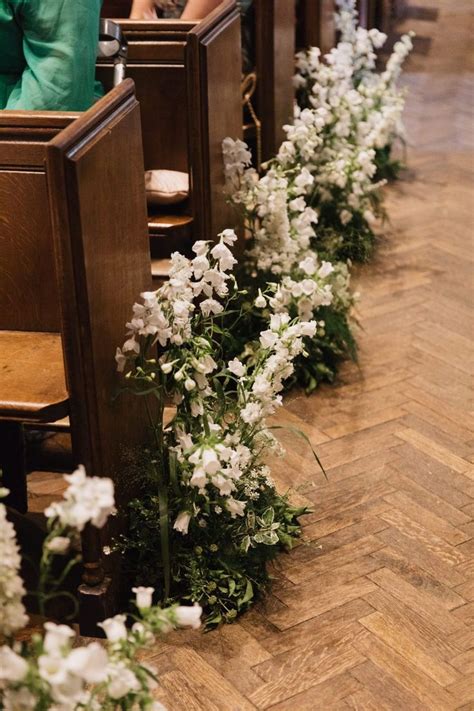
75	256
315	24
275	22
187	78
376	13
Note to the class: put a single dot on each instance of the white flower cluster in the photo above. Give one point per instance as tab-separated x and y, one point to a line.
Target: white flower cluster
221	462
52	672
275	206
216	437
283	226
307	292
357	106
334	140
281	343
12	612
87	499
72	677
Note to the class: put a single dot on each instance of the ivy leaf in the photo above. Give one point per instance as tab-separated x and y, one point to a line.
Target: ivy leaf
268	516
248	593
245	545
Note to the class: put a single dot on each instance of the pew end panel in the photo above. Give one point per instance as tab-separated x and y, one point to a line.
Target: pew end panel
91	200
215	112
275	22
97	201
316	26
28	291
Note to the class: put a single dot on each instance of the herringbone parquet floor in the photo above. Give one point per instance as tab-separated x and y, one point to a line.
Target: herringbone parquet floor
376	610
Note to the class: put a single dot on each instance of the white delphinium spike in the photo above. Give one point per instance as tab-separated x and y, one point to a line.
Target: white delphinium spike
12	612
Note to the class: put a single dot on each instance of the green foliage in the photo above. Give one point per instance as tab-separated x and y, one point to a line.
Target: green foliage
222	565
325	353
387	167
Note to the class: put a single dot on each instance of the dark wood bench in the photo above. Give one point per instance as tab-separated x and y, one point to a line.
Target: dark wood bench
315	24
187	77
75	256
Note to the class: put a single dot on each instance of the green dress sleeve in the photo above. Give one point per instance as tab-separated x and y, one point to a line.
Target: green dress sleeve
59	47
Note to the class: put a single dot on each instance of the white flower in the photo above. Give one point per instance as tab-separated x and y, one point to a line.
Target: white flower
53	669
345	216
268	339
18	700
58	544
199	478
122	681
12	667
209	306
87	499
251	413
189	616
237	367
308	328
260	301
121	360
228	236
12	611
224	255
57	638
182	522
114	628
89	663
236	508
210	461
189	384
325	270
200	247
144	597
206	365
308	265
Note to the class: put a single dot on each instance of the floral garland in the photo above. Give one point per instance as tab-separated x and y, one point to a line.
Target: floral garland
49	671
312	210
207	493
280	262
365	106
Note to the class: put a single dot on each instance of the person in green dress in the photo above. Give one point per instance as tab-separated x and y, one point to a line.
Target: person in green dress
48	52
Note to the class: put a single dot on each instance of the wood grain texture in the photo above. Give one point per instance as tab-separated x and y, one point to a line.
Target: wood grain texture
274	56
374	610
32	378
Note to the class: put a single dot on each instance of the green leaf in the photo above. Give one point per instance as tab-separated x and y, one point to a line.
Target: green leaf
248	593
245	545
268	516
302	434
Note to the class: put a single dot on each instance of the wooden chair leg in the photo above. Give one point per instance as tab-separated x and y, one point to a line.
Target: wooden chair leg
12	465
96	603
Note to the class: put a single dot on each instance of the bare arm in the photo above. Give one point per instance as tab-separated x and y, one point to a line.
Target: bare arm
143	10
198	9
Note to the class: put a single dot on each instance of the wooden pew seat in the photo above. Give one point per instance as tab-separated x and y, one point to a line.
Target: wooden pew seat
32	378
